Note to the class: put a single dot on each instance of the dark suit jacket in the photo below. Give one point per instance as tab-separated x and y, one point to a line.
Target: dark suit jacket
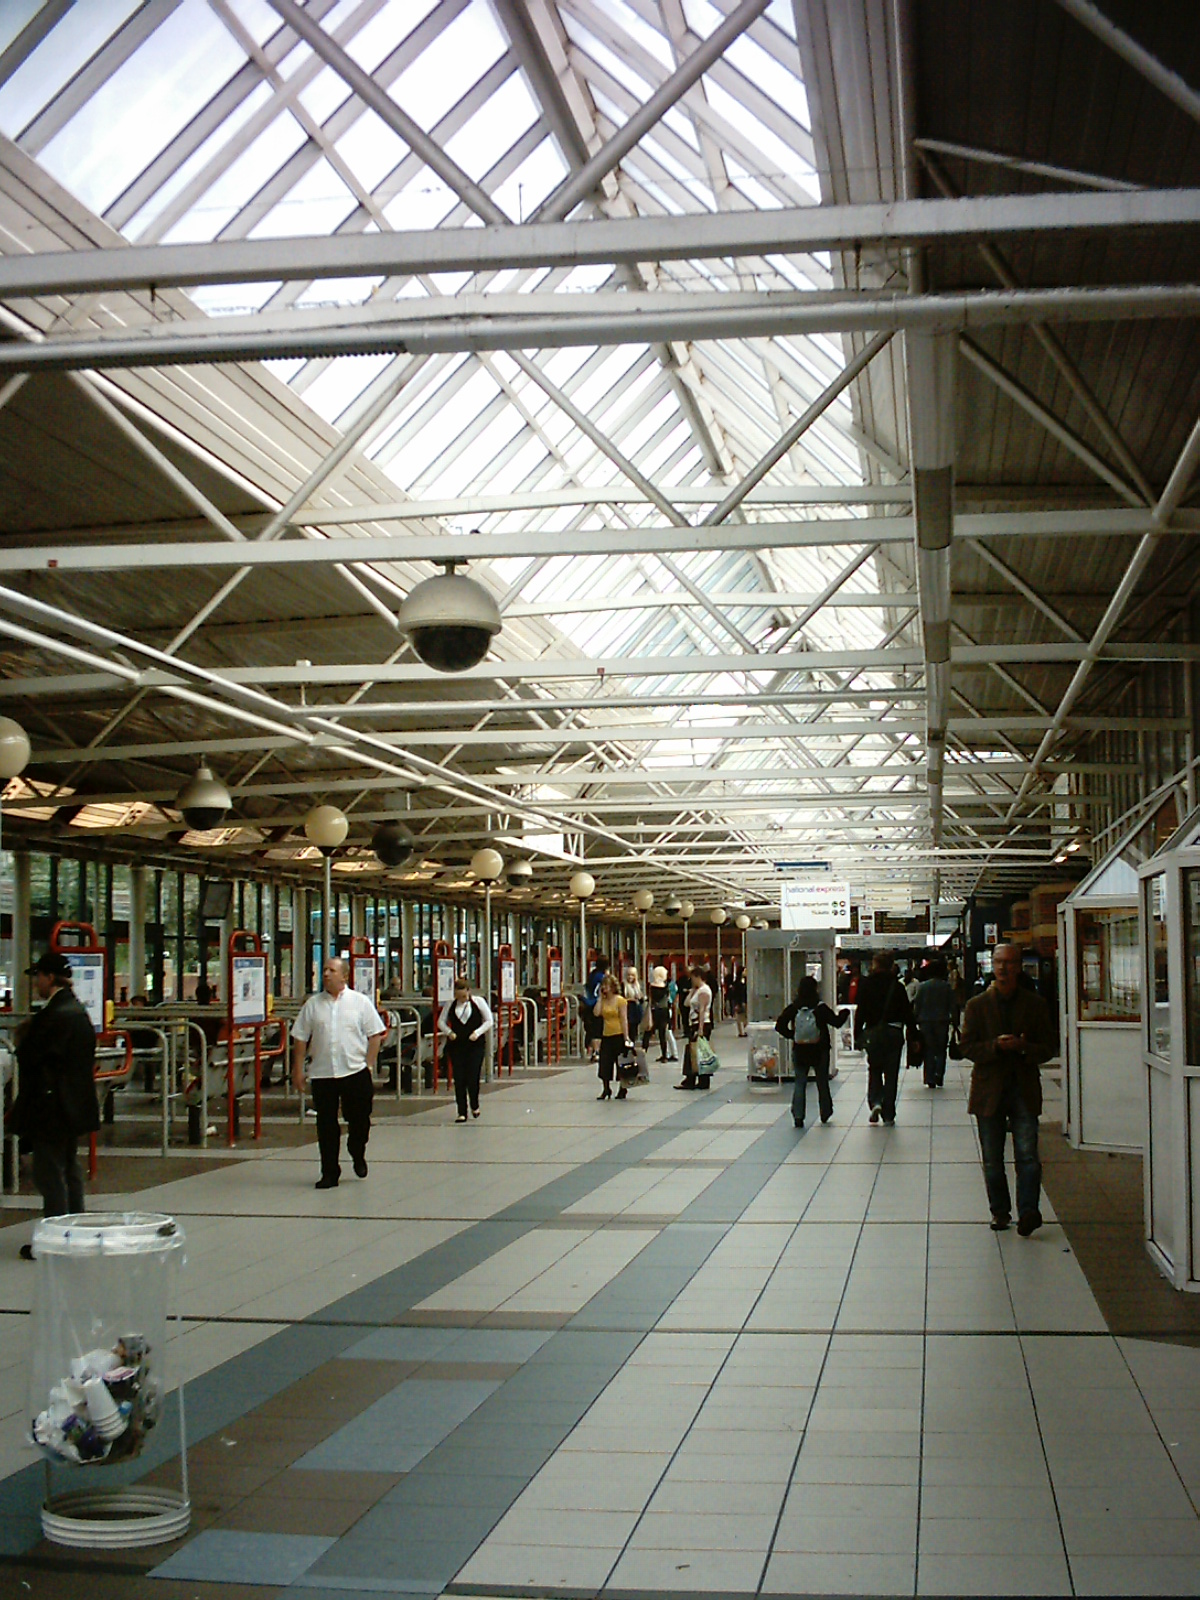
56	1085
994	1070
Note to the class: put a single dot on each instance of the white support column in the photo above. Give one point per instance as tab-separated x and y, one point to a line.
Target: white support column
407	976
139	882
931	370
22	954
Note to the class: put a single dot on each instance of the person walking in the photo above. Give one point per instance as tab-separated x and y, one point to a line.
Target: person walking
56	1102
697	1024
1007	1034
882	1015
341	1031
935	1008
466	1022
806	1022
612	1015
737	999
660	1009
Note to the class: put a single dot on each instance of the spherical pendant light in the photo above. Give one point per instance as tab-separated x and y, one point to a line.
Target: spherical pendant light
14	748
582	885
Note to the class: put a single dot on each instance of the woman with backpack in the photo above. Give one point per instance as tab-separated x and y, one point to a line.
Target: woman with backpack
806	1022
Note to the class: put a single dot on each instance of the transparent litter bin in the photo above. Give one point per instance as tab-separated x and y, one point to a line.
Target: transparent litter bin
766	1062
106	1285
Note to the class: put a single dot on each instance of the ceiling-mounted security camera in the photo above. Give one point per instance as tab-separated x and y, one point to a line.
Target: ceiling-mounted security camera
519	873
203	801
391	844
450	621
673	905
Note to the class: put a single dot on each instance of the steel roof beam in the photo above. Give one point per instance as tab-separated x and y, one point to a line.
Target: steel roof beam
642	539
799	229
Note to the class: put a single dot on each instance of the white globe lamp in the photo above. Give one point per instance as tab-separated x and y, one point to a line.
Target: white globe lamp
643	899
14	748
487	865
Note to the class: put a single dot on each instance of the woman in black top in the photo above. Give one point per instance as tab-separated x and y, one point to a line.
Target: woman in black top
806	1022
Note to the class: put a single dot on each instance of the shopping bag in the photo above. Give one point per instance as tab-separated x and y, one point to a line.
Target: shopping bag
707	1061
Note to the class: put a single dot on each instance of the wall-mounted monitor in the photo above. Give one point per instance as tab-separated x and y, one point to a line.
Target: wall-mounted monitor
216	897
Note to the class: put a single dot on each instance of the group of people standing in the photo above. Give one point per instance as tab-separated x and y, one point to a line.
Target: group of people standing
615	1013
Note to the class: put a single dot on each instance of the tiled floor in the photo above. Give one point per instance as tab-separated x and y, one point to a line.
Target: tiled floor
669	1345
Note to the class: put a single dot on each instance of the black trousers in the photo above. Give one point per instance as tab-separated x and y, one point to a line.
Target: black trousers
466	1065
660	1016
883	1069
355	1095
57	1176
611	1045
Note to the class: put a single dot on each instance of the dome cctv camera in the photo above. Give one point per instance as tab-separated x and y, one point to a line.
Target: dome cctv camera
450	621
203	802
391	844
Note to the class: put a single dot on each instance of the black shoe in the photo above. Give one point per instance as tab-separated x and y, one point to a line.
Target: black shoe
999	1224
1028	1222
622	1093
360	1166
26	1253
875	1113
475	1111
799	1121
326	1183
829	1118
607	1095
463	1119
889	1122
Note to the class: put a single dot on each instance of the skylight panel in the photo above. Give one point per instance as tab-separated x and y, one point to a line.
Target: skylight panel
370	149
140	109
458	57
379	37
314	205
67	48
342	382
778	158
770	77
241	181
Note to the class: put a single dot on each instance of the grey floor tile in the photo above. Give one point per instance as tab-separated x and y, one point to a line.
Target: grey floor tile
975	1575
860	1574
220	1555
1136	1575
400	1429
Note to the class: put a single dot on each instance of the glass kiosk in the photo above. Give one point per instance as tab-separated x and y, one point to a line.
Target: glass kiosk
1100	992
776	960
1169	906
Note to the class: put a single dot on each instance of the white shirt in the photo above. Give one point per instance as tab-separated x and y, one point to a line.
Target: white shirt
699	1003
462	1009
337	1031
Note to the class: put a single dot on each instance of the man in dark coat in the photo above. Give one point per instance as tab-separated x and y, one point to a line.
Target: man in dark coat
1007	1034
56	1100
882	1017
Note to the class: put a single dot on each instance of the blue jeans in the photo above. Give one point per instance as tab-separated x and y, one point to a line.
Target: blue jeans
805	1056
992	1131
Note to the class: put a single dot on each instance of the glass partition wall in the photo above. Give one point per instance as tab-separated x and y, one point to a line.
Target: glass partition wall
1169	904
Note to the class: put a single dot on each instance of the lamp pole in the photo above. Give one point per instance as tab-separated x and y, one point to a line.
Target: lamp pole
326	827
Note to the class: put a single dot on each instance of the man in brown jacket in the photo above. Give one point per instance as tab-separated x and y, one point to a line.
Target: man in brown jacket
1007	1034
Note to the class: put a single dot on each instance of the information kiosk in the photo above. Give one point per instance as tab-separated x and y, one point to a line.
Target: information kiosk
1100	992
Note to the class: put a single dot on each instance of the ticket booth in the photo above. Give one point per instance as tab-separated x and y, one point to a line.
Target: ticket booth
1100	999
1169	911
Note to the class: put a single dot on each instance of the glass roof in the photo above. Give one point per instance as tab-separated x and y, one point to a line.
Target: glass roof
210	119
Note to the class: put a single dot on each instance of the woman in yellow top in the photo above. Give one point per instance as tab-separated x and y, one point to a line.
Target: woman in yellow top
613	1014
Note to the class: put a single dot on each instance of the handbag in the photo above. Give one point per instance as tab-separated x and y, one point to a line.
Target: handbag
954	1049
631	1064
916	1048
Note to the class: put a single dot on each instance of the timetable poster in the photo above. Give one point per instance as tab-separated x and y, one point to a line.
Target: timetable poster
249	990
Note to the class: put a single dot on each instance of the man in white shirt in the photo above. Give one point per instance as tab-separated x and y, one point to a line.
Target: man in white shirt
341	1031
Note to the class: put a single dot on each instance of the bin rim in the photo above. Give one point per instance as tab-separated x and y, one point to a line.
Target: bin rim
108	1233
